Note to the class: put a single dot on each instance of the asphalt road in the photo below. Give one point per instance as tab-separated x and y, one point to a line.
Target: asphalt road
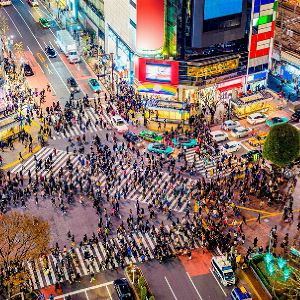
24	27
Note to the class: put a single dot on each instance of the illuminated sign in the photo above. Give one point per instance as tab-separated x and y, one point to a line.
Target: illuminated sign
157	71
161	73
150	25
213	69
220	8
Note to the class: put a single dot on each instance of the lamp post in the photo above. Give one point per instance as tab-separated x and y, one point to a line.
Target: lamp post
112	73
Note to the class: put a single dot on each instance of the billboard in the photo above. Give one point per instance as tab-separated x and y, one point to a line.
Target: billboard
158	71
150	25
220	8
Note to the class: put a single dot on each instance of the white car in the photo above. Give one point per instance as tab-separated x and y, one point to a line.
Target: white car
219	136
119	123
231	147
230	124
240	131
256	118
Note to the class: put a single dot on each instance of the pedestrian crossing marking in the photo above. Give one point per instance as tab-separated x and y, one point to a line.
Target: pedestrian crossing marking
80	129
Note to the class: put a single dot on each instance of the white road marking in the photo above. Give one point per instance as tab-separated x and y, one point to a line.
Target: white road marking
84	290
172	291
41	47
13	23
188	275
87	297
109	294
244	146
211	271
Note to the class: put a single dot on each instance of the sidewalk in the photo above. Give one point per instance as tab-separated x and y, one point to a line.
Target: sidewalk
11	157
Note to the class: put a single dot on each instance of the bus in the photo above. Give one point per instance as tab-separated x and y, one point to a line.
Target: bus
5	2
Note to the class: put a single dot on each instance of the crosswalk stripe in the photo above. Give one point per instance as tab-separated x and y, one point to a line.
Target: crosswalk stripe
35	286
83	267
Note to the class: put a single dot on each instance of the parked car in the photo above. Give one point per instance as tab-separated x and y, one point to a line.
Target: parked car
160	148
296	116
230	124
119	124
123	289
33	2
219	135
50	51
133	138
276	121
94	85
240	293
27	70
150	136
256	118
73	85
240	131
258	139
44	22
231	147
184	142
252	155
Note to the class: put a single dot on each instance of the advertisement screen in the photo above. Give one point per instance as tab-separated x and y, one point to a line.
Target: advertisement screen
157	72
220	8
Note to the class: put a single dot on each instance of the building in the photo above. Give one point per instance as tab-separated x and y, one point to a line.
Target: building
285	72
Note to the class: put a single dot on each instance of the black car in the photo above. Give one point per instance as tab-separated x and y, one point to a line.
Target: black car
27	70
51	53
72	84
252	155
296	116
131	137
123	289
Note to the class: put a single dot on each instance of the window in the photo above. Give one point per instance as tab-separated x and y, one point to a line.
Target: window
132	24
132	3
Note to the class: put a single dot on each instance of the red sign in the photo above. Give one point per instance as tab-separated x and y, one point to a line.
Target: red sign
150	26
160	71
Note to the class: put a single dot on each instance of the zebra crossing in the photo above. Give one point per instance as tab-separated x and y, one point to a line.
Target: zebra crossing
61	161
80	129
89	259
201	166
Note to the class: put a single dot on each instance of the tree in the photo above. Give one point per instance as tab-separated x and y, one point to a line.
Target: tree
209	101
282	145
23	237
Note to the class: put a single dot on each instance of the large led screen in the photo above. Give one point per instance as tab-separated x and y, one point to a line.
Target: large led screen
160	73
220	8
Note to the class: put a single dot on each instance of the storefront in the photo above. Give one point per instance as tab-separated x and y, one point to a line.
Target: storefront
257	81
123	55
228	90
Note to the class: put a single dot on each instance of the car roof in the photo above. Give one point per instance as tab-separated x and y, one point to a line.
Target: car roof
217	132
242	293
229	121
232	143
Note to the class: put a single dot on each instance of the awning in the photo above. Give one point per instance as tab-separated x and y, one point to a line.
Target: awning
230	87
155	88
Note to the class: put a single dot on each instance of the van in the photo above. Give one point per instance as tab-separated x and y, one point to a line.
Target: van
223	269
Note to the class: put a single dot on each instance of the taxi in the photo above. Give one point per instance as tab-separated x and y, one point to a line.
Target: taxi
258	139
240	293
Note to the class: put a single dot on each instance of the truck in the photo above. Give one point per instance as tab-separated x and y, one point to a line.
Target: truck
68	45
223	269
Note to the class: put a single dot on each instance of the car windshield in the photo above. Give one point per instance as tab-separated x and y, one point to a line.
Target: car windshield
73	82
226	146
119	122
72	53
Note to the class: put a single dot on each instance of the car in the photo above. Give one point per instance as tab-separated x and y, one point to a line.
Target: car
258	139
33	2
50	51
94	85
44	22
296	116
123	289
276	121
219	135
240	131
240	293
119	123
72	85
27	70
160	148
184	142
231	147
256	118
252	155
131	137
150	136
230	124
